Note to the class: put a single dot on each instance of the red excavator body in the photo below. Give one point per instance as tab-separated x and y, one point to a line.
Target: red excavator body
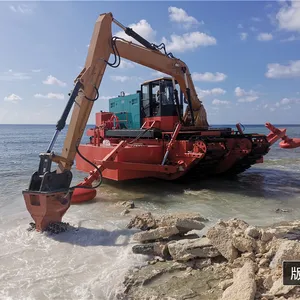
160	146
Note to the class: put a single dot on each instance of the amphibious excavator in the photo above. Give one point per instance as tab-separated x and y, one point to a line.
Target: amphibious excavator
148	135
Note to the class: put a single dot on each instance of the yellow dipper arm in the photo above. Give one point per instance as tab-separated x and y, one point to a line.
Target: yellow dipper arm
90	77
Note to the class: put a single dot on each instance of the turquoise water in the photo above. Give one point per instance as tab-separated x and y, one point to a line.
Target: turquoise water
90	263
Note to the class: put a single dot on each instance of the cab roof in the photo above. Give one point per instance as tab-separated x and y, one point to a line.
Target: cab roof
158	79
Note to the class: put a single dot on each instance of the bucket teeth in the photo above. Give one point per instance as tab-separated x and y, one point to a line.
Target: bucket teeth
55	227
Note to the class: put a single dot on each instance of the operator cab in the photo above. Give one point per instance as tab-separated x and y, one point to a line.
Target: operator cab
157	98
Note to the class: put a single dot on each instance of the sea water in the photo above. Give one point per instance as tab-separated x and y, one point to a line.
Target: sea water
90	260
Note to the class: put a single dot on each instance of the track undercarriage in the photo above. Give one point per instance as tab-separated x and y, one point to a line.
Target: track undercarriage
228	164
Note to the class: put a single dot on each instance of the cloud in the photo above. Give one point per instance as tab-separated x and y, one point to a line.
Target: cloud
143	28
51	80
292	38
215	91
36	71
22	8
11	76
248	99
245	96
106	97
269	5
239	92
209	77
240	26
13	98
126	64
219	102
252	28
50	96
287	101
120	78
159	74
264	36
255	19
179	15
124	78
188	41
243	36
275	70
288	16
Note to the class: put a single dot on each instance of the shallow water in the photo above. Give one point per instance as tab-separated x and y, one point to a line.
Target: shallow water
89	261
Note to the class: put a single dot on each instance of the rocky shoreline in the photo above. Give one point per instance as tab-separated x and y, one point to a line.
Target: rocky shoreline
232	261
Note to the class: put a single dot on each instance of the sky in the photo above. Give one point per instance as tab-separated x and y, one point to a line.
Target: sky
244	57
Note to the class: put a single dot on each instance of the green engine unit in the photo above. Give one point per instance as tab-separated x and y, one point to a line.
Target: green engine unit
127	109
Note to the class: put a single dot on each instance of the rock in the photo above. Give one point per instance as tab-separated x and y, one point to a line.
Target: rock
159	258
288	250
244	244
186	249
267	235
269	255
125	212
238	224
221	238
260	247
244	286
278	289
231	247
272	248
172	219
225	284
268	282
154	249
276	273
252	232
240	261
168	280
264	263
144	221
202	263
249	255
288	230
262	271
126	204
154	234
278	210
293	235
185	222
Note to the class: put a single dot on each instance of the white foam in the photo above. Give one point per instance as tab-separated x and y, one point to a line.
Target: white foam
85	263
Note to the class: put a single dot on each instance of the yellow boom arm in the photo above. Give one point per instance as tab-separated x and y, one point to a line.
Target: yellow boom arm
102	45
